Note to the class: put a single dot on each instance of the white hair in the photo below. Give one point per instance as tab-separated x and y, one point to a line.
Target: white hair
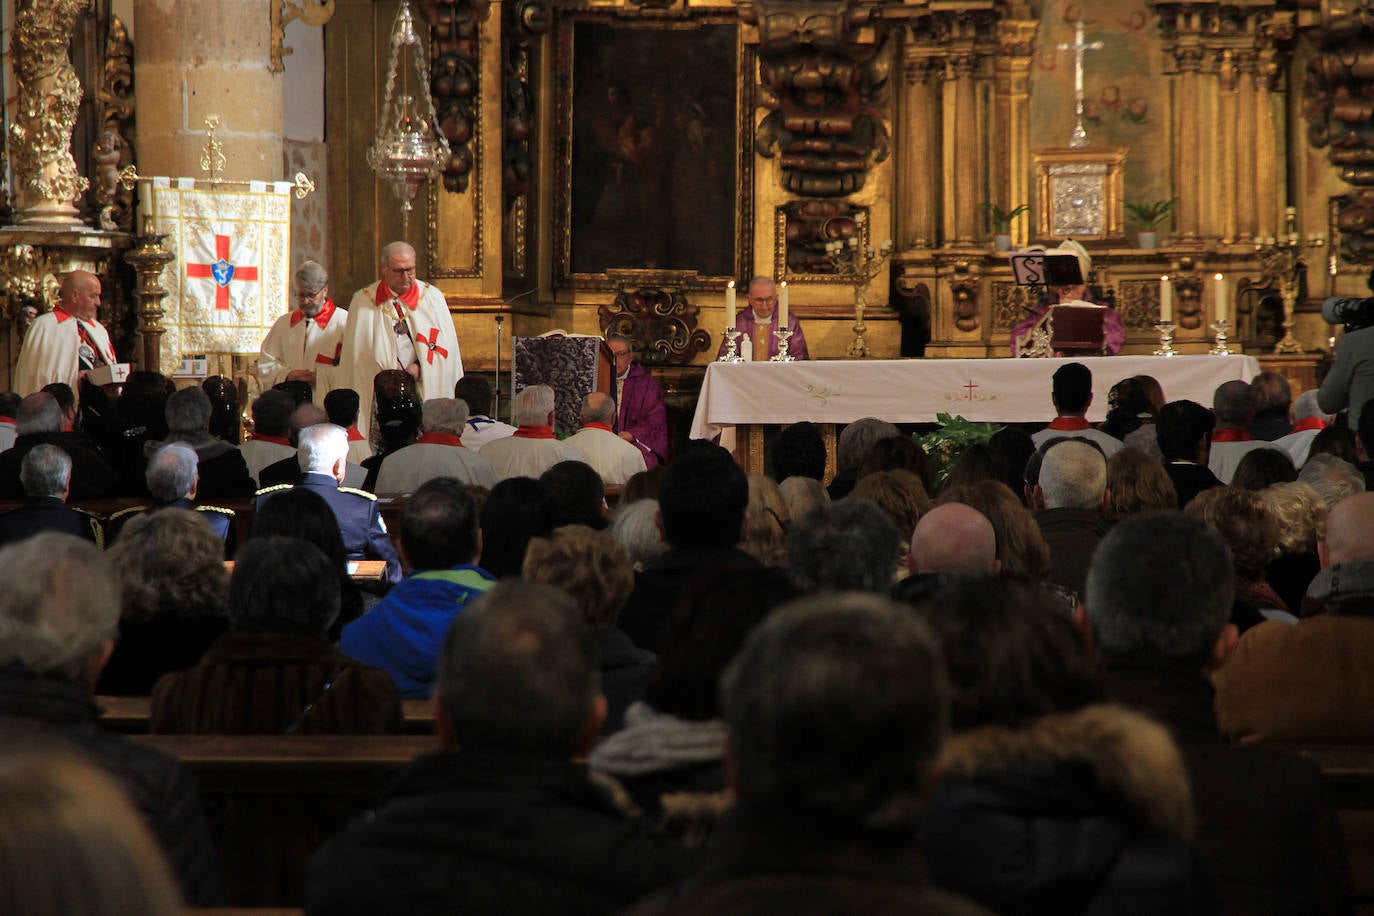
391	248
1073	475
1306	407
60	607
445	415
533	406
321	447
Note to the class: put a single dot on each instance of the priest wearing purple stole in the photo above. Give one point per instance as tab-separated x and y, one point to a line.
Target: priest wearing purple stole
640	416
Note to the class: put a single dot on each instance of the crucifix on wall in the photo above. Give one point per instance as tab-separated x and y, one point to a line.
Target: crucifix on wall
1079	138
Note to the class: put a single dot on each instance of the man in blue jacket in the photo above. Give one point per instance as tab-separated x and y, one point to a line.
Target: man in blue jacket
404	633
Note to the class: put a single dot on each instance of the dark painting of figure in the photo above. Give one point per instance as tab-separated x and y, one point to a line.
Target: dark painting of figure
653	156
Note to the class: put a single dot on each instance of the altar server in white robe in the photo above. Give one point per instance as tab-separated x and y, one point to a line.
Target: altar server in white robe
399	323
304	345
66	343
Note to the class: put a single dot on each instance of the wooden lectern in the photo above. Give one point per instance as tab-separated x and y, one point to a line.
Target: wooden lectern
1077	330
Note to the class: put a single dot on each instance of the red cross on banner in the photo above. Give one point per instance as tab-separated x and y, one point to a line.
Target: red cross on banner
222	272
433	344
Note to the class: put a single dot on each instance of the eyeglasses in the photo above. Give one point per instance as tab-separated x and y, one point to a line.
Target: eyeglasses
402	270
303	296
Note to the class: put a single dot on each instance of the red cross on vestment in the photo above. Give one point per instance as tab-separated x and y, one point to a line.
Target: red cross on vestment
433	345
222	272
330	361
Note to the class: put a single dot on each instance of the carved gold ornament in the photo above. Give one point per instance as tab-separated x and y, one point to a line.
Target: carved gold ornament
311	12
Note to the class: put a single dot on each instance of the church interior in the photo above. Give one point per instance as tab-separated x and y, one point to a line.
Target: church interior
617	163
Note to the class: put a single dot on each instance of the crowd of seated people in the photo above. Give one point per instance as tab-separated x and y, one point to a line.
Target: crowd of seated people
1017	682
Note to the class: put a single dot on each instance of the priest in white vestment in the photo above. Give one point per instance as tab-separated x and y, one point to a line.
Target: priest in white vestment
439	452
400	323
305	344
611	456
66	343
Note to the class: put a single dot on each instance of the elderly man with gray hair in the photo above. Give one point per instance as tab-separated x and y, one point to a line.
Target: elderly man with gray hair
46	474
439	452
59	614
1068	500
39	421
323	456
220	465
1308	420
303	345
533	448
173	482
615	459
399	323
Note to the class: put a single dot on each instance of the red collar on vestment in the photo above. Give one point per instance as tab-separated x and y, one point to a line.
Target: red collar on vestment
410	297
598	426
62	314
7	421
322	317
278	440
535	432
440	439
1071	424
1309	423
353	434
1231	435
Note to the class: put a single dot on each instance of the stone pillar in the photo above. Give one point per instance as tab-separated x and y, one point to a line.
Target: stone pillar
1248	141
201	57
1188	150
965	152
1269	176
919	156
1228	76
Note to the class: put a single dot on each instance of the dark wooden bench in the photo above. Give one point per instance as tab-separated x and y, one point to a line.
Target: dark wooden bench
129	715
1348	781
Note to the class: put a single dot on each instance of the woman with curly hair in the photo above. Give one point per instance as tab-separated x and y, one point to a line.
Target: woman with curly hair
1252	533
173	585
1136	484
1301	514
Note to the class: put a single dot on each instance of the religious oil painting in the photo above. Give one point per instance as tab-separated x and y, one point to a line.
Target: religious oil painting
1125	93
652	178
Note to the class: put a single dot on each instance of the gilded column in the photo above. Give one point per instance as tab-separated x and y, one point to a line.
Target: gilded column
48	101
966	153
1228	138
1246	149
1188	150
919	155
1268	176
1016	42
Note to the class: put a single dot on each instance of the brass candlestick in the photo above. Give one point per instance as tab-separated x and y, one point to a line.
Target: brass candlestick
149	257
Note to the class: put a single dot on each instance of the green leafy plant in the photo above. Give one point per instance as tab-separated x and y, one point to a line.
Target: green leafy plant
1001	219
1149	216
944	445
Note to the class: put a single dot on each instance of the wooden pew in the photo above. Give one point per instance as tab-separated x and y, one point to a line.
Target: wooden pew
273	800
1348	781
129	715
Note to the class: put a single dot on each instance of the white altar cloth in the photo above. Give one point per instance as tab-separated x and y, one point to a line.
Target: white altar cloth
915	390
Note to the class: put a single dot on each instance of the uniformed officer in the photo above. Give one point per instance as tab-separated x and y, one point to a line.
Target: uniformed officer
322	450
173	478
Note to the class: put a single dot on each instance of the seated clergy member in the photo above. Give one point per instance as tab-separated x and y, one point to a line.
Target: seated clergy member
641	418
304	344
323	456
1159	603
1231	439
439	452
404	632
836	708
610	455
58	617
475	391
271	438
288	468
1072	393
533	448
501	820
756	324
46	474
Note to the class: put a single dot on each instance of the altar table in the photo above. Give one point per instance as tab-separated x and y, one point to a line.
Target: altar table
915	390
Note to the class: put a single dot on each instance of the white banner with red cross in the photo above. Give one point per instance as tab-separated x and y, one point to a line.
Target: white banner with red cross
232	275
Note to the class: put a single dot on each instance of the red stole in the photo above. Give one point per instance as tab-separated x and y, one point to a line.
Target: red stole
1231	435
535	432
1069	424
321	317
440	439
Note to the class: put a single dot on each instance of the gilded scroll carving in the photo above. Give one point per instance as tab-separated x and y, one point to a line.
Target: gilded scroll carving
114	149
522	22
661	322
824	78
49	100
811	226
455	78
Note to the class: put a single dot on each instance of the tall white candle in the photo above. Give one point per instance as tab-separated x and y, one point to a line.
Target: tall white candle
1166	301
1220	290
730	304
782	305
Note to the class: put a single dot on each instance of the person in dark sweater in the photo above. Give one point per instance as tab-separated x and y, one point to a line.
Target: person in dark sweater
501	820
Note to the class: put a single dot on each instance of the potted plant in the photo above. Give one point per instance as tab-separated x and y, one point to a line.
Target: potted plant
1001	223
1147	218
